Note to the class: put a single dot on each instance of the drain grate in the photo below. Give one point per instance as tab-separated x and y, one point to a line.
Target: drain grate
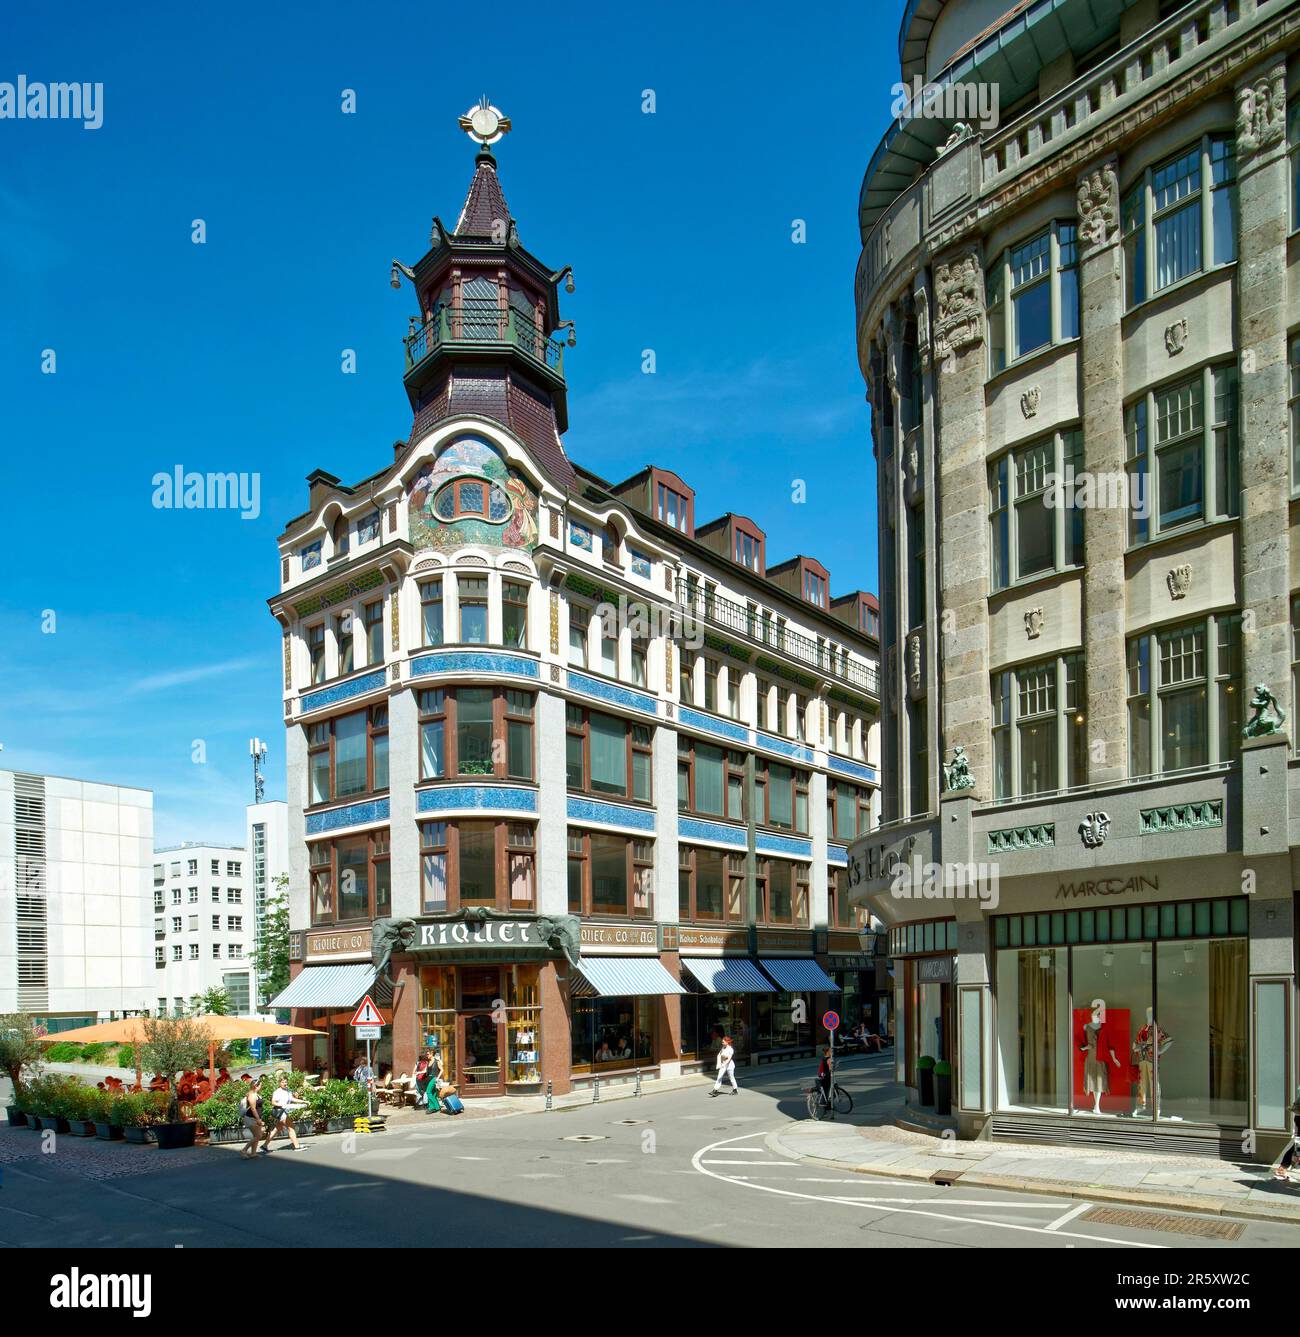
585	1137
1199	1226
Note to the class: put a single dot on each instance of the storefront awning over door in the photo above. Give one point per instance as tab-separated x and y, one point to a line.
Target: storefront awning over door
622	976
799	976
727	974
327	986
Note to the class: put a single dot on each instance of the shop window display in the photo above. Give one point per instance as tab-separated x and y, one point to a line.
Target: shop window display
611	1033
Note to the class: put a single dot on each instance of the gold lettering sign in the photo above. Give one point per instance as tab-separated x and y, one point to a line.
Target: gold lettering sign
349	942
602	935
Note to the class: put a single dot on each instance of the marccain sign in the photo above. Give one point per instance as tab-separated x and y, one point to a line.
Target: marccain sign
1107	886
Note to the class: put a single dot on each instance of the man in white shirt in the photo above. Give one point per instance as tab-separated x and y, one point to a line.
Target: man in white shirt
726	1068
283	1101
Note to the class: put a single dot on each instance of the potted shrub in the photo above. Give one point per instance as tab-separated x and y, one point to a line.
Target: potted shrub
81	1108
137	1113
221	1118
335	1104
943	1087
52	1101
925	1076
101	1107
21	1052
173	1044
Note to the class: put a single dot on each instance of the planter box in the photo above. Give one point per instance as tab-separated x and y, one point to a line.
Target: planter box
174	1136
216	1136
82	1127
17	1118
338	1126
108	1132
54	1124
138	1133
305	1128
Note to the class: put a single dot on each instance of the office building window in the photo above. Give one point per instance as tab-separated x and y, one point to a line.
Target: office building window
1039	735
476	731
1033	295
431	612
373	616
316	651
350	879
514	614
1034	523
607	755
610	875
472	594
346	756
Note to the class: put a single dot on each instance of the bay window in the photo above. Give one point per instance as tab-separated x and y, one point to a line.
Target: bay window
1184	696
470	862
710	780
1039	735
347	755
782	893
431	612
472	595
350	878
1035	525
1182	449
610	874
476	731
607	755
1033	295
1180	218
514	614
780	796
710	885
372	615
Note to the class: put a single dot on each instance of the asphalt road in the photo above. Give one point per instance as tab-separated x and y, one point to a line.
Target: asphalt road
671	1169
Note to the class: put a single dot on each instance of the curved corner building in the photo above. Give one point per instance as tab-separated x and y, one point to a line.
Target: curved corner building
1077	310
571	776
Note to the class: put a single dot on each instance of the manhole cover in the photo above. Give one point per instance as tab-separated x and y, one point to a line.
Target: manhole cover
585	1137
631	1123
1201	1227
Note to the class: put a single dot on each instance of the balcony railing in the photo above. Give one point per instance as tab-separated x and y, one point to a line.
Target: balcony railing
821	656
482	323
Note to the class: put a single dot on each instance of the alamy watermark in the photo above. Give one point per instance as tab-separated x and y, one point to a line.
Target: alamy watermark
182	491
1085	491
975	103
31	101
915	880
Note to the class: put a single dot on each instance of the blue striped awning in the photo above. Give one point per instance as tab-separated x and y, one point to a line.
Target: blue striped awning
623	976
327	986
799	976
727	974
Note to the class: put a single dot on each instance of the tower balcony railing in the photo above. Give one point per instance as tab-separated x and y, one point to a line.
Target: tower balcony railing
820	656
486	323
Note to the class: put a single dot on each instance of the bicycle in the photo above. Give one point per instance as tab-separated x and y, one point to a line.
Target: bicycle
819	1107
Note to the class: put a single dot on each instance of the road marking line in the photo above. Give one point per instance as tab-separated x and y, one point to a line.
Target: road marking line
645	1197
1069	1216
785	1165
698	1162
471	1158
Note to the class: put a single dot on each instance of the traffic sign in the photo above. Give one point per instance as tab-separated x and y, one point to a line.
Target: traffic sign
831	1020
367	1014
369	1032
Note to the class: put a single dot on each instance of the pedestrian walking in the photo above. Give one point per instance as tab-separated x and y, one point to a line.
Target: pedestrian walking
1282	1170
250	1111
283	1101
726	1068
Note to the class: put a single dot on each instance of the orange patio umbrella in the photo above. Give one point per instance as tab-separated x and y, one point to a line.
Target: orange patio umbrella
128	1031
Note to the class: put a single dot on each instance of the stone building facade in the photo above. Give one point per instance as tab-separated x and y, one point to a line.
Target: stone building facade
1078	333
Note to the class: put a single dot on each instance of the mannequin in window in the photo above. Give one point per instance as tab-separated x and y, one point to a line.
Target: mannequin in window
1096	1045
1149	1046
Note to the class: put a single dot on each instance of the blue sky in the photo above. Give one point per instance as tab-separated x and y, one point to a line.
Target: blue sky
227	355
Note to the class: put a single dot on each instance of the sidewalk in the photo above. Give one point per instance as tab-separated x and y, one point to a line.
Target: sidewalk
1189	1183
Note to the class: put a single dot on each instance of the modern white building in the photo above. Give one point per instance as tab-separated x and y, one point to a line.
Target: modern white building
203	926
267	843
74	876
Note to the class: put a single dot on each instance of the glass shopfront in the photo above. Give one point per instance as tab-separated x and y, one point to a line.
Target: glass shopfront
707	1017
486	1022
613	1033
783	1021
924	970
1137	1012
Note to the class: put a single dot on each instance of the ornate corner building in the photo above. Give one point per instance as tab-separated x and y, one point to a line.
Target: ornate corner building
571	776
1077	321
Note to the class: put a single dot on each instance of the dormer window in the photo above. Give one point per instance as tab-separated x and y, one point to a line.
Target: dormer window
610	544
746	550
672	508
814	588
341	537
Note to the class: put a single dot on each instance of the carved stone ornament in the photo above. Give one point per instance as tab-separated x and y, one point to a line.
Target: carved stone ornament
1179	580
956	774
555	623
1034	623
1098	200
1176	336
959	298
1094	829
914	672
1261	112
1029	401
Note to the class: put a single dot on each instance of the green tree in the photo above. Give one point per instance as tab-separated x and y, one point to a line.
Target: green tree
172	1045
21	1050
215	1001
271	956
